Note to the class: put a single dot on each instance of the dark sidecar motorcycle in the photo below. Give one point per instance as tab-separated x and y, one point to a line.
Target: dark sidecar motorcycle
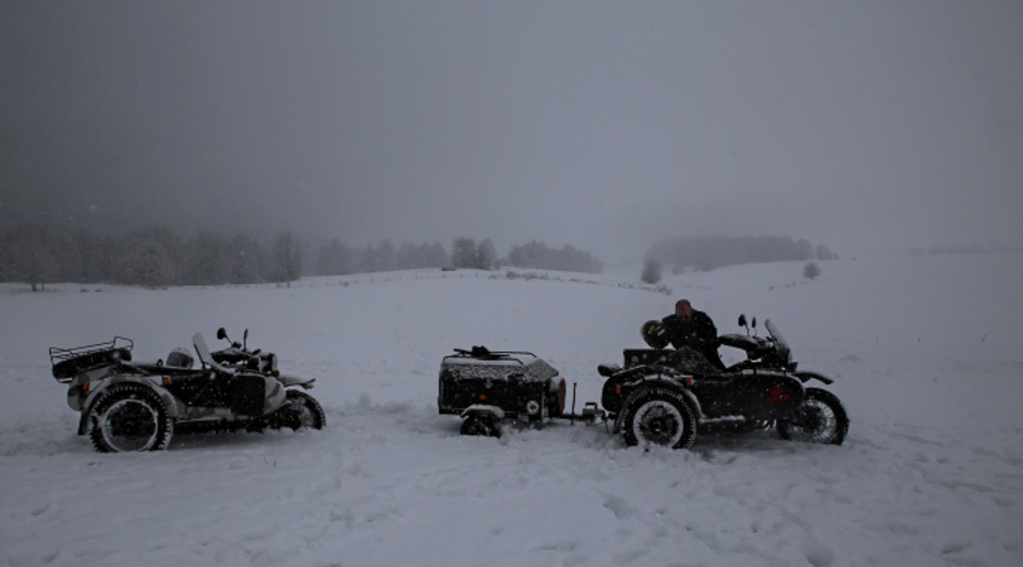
663	397
658	397
135	406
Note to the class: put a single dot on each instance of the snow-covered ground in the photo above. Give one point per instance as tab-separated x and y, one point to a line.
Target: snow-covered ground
925	350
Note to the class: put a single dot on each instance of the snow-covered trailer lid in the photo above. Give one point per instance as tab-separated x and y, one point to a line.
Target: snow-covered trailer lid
481	362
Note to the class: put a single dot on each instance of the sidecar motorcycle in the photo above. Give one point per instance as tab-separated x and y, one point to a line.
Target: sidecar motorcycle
663	396
657	397
135	406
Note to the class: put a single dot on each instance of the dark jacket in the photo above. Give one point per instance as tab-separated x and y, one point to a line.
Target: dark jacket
698	334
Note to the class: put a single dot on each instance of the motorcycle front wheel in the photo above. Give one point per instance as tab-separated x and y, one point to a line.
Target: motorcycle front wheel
300	411
819	419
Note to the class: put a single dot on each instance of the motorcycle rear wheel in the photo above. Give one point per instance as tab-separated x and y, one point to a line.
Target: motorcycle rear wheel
820	419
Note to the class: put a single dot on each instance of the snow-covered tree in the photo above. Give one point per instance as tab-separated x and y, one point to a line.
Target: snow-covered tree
287	259
144	260
31	255
811	270
537	255
652	271
208	261
93	256
463	253
335	259
246	260
381	257
486	255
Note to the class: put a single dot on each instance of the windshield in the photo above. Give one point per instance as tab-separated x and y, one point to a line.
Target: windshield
778	337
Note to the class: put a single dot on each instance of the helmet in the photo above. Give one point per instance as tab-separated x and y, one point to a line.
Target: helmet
655	334
180	358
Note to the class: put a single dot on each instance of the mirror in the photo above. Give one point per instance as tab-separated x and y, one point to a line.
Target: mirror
742	320
222	333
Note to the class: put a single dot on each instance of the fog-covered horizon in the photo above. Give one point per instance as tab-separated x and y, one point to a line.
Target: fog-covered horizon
602	125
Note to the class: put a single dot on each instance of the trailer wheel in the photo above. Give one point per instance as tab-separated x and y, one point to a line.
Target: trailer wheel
131	417
482	425
658	415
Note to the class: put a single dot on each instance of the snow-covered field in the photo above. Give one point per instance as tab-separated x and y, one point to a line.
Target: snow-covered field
925	350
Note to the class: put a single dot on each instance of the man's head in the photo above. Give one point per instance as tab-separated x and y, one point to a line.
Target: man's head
683	309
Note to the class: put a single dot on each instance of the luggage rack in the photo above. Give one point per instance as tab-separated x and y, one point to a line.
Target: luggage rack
70	362
483	353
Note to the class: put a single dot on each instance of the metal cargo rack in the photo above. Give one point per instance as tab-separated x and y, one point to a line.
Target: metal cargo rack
70	362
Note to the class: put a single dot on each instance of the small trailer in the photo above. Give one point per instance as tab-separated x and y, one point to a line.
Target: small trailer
486	387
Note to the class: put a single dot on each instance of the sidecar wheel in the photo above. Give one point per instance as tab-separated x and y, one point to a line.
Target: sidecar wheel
300	411
820	419
658	416
130	417
480	425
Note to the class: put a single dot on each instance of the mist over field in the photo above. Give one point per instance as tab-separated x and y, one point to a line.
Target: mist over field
602	125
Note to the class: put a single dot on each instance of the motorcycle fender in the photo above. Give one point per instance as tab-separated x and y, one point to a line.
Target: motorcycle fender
806	376
696	403
289	380
174	406
275	396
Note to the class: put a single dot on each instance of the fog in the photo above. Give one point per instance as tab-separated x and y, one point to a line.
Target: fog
604	125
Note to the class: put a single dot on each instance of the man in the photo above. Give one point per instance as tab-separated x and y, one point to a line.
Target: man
693	329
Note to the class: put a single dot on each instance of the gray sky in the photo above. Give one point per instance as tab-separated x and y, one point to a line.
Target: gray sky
605	125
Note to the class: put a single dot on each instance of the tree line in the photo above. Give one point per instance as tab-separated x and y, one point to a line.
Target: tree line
335	258
707	253
537	255
158	257
148	256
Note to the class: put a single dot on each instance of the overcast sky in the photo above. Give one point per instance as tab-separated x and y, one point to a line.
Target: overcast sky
605	125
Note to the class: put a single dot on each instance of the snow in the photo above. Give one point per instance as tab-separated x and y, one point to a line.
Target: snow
924	350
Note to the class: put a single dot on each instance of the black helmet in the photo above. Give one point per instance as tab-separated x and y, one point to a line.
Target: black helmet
655	334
